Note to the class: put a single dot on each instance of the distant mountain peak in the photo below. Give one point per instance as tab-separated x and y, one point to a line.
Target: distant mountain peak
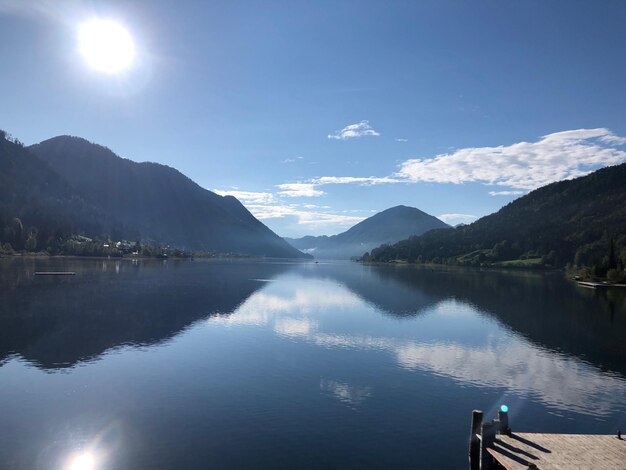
387	226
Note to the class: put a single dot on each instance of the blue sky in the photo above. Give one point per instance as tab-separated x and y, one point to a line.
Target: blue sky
318	114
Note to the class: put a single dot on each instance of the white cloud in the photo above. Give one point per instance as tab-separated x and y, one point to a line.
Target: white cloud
506	193
248	197
353	131
299	190
266	205
524	165
366	180
309	188
402	140
457	218
613	139
314	206
292	160
303	217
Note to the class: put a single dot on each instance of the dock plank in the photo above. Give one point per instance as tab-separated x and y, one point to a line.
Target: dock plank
559	451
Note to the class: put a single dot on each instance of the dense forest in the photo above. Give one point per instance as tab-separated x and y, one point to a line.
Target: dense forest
579	223
39	211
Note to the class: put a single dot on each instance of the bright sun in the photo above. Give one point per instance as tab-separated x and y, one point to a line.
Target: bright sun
84	461
106	45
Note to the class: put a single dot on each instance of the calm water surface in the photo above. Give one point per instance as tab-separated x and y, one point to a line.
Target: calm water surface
233	364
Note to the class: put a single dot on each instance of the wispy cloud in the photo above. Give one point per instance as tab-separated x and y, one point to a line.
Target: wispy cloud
310	187
524	165
506	193
314	206
402	140
353	131
292	160
457	218
363	180
613	139
248	197
311	218
300	190
266	205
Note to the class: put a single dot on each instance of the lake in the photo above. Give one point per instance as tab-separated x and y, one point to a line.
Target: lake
251	364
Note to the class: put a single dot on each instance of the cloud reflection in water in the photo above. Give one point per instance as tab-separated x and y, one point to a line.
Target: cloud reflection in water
350	394
510	361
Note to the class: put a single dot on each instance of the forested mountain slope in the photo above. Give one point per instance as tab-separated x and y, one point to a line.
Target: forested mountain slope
581	221
159	201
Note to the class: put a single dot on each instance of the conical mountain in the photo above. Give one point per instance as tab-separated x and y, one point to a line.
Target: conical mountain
388	226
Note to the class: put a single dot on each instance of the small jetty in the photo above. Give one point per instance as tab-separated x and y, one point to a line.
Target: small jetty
55	273
493	445
598	285
593	285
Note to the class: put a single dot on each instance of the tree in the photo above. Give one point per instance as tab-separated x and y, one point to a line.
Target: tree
31	242
14	233
612	261
615	275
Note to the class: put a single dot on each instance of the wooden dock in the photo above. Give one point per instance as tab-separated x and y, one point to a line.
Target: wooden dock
599	285
593	285
55	273
495	446
559	451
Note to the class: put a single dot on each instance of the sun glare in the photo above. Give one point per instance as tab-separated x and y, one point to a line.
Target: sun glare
84	461
106	45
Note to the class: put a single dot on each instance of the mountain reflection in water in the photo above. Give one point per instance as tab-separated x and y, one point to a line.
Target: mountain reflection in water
303	365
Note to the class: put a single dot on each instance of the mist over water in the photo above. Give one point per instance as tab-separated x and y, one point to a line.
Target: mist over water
240	364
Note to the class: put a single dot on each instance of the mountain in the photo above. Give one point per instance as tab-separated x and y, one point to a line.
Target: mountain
159	202
34	195
580	221
388	226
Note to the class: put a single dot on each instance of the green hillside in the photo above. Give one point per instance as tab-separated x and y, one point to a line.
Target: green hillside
578	222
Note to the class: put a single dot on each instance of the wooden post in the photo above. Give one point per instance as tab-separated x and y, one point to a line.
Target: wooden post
503	418
487	438
474	441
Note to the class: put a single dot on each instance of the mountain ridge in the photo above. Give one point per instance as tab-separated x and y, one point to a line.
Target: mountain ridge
67	186
159	201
